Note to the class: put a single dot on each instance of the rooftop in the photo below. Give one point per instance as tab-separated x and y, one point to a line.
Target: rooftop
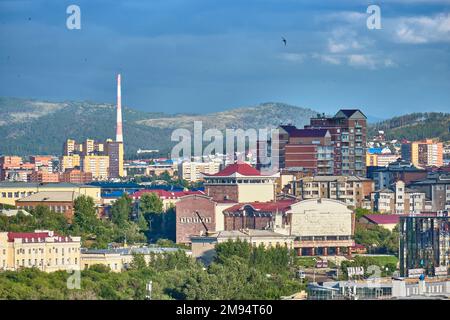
308	133
51	196
19	184
271	206
242	169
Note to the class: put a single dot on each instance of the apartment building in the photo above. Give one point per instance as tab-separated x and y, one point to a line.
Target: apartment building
436	188
424	153
97	165
352	190
348	129
41	249
193	171
398	199
43	177
310	149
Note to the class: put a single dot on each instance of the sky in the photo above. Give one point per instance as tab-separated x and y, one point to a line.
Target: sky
201	56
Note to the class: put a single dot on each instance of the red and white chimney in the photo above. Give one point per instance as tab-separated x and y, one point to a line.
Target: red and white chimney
119	133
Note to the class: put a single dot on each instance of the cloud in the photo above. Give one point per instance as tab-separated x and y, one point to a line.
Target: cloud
293	57
422	29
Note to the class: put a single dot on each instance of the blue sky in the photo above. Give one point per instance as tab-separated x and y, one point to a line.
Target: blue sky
196	56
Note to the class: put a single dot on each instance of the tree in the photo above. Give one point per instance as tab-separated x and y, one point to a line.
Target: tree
85	217
150	203
121	210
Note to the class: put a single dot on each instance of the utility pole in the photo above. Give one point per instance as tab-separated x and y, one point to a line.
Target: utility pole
149	288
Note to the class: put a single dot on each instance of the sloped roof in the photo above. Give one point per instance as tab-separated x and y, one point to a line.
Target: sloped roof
383	218
242	169
348	113
51	196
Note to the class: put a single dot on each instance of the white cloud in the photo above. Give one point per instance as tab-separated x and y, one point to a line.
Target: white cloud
422	29
362	60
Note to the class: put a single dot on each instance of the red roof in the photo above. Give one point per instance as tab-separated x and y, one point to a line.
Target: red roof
165	194
26	235
394	218
271	206
383	218
243	169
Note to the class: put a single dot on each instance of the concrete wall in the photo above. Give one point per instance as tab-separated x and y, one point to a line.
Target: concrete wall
321	217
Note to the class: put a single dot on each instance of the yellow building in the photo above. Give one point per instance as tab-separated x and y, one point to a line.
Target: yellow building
424	153
97	165
70	162
41	249
192	171
12	191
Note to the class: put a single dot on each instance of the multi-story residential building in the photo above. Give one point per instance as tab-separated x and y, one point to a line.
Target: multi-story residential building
384	177
70	162
398	199
352	190
310	149
90	156
76	176
423	153
115	152
42	176
44	250
436	188
14	169
57	201
425	244
240	182
193	171
97	165
12	191
348	129
42	162
71	147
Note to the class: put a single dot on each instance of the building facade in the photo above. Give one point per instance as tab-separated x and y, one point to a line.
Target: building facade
44	250
193	171
348	129
424	244
398	199
424	153
240	182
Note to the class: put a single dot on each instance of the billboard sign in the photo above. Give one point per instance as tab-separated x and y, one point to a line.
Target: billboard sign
415	273
440	271
355	271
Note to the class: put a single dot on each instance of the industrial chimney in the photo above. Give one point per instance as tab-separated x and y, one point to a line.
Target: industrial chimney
119	134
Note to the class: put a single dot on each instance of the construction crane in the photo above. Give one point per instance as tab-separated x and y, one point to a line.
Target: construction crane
203	223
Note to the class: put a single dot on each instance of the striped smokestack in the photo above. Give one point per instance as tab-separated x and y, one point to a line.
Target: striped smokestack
119	133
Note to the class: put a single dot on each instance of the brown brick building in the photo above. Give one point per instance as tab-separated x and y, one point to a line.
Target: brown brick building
188	222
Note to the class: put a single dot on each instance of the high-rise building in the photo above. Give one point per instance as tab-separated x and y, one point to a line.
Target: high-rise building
97	165
348	129
114	150
192	171
424	244
424	153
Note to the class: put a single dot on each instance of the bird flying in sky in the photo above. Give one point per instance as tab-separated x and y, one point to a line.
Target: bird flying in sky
284	40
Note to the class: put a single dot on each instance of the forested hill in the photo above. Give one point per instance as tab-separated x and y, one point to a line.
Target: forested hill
415	126
38	127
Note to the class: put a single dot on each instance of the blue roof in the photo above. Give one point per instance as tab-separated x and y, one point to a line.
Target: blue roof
375	150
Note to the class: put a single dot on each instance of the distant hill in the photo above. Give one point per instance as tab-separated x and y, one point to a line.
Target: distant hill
415	126
38	127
